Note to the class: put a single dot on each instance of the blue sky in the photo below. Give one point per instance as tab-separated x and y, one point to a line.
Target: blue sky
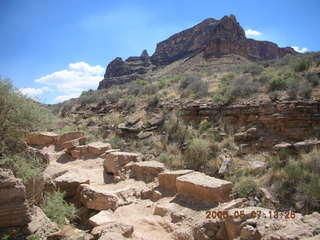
54	49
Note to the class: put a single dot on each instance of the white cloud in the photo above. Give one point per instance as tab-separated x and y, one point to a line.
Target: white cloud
69	83
66	97
250	32
300	50
33	92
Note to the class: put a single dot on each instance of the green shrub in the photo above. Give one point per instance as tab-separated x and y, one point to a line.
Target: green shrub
133	89
176	130
204	125
245	186
19	115
24	166
299	176
114	96
223	95
116	141
253	68
153	101
170	160
313	78
243	87
197	153
301	65
194	85
277	83
57	209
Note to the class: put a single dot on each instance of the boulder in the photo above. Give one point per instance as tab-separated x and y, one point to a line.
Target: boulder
74	143
235	203
94	198
98	147
151	194
42	138
68	137
144	135
115	161
80	152
163	209
167	179
103	217
146	171
41	225
124	229
69	182
14	208
203	187
112	236
282	146
257	166
225	166
238	216
156	120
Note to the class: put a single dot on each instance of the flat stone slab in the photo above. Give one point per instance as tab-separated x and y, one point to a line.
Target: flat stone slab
103	217
204	187
147	170
124	229
167	179
94	198
69	136
42	138
70	181
98	147
115	161
74	143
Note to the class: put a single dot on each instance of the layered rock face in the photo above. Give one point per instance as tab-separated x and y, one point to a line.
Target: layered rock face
211	37
263	125
215	38
120	72
14	209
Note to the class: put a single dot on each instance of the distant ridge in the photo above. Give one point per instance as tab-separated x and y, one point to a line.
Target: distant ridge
211	37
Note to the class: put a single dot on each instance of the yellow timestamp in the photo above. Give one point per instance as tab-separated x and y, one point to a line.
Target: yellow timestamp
272	214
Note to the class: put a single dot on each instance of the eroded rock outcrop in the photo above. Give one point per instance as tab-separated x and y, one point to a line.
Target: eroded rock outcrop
203	187
262	125
211	37
120	72
14	208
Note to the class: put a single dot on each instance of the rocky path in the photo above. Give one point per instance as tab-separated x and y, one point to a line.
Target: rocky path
125	197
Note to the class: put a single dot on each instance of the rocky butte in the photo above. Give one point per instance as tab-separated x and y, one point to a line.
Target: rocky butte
210	38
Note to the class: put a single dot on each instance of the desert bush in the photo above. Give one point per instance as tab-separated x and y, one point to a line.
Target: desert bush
277	83
57	209
153	101
116	141
197	153
297	176
245	186
313	78
204	125
23	166
301	64
114	96
150	89
172	161
19	115
176	129
253	68
194	85
243	87
223	95
231	88
133	89
91	96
